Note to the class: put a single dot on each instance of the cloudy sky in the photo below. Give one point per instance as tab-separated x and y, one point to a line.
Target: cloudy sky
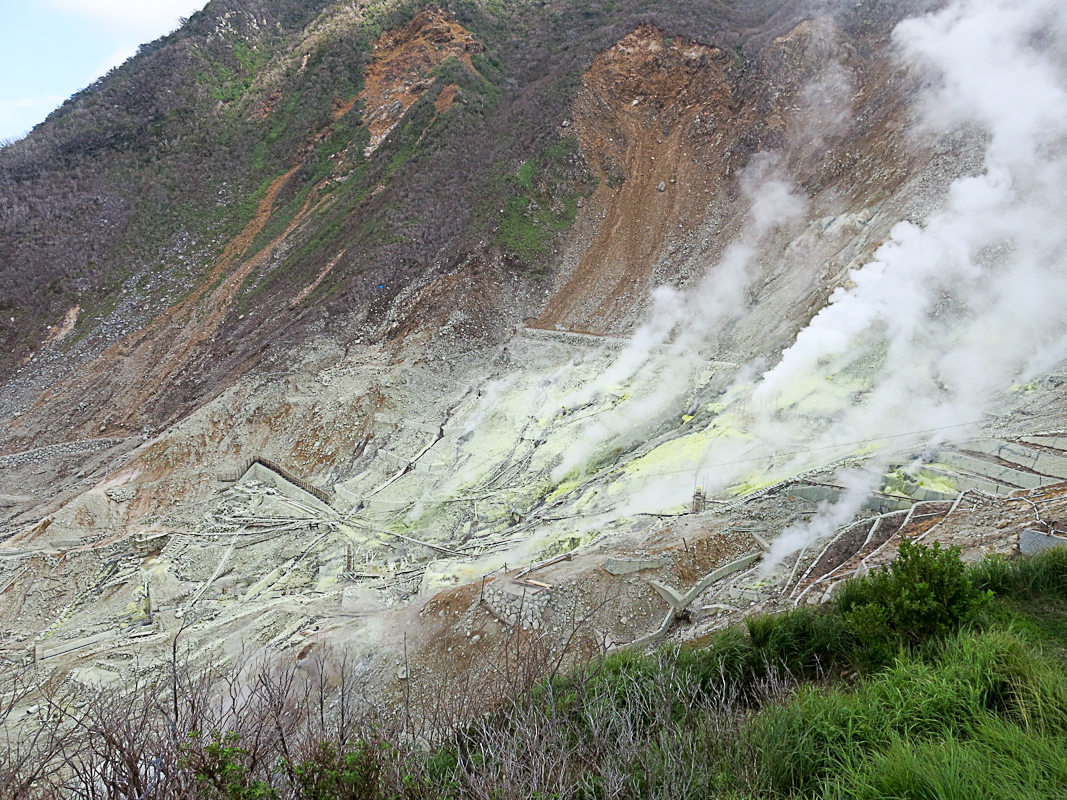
50	49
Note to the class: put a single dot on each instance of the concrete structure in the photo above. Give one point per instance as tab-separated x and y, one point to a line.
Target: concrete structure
1041	461
259	471
1031	542
995	473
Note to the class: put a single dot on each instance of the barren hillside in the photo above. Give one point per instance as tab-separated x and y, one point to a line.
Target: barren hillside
425	328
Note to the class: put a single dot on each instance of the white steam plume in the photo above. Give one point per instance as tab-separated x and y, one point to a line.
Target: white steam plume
950	312
658	364
982	267
975	299
857	484
665	350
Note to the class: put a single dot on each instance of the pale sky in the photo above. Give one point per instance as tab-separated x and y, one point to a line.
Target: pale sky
50	49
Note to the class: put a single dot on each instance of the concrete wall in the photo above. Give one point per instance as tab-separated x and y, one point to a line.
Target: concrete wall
1031	541
1037	460
41	652
994	472
264	474
878	502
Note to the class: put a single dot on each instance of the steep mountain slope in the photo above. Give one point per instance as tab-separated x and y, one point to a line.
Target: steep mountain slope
350	310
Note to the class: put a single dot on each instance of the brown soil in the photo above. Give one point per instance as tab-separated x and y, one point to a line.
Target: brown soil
146	360
131	374
445	98
837	554
398	74
59	332
651	111
315	283
658	111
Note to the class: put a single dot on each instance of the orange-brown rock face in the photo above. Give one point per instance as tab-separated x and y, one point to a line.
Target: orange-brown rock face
668	124
653	117
129	378
399	75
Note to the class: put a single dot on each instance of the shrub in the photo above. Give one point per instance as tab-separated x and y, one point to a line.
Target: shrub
804	642
335	774
1002	762
220	766
972	687
926	592
1041	574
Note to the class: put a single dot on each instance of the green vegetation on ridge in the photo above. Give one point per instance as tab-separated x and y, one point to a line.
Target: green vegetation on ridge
541	201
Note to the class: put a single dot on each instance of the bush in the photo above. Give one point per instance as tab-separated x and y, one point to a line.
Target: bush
973	688
220	766
926	592
335	774
805	642
1001	763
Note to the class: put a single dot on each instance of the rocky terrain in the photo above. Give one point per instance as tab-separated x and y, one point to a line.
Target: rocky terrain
470	356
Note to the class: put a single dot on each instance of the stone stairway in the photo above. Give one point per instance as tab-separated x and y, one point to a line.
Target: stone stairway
173	547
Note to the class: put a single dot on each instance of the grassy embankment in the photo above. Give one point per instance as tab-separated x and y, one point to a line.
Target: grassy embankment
930	679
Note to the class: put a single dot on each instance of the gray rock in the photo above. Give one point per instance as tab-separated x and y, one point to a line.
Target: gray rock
1031	541
626	566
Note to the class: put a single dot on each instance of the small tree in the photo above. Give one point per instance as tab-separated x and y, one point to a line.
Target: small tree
335	774
219	766
924	593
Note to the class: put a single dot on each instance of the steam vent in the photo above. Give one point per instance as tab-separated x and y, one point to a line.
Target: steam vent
386	387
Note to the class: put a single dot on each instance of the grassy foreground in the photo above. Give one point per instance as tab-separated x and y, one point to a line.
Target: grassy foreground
927	680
